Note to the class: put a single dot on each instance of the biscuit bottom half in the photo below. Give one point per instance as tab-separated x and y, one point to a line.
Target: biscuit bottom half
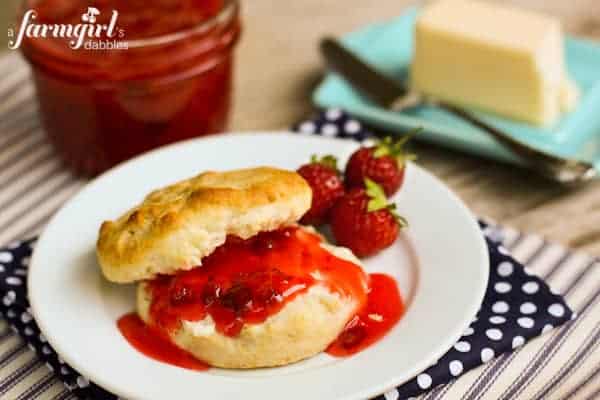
305	326
271	300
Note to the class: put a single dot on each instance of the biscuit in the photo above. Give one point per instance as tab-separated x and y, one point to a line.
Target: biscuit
176	226
302	328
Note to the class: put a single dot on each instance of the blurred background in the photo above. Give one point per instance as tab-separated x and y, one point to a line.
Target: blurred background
279	44
278	66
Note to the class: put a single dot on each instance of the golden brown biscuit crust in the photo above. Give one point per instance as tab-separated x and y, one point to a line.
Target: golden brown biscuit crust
176	226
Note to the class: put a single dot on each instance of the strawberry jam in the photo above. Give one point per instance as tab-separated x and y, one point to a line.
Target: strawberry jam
246	281
160	74
151	343
383	310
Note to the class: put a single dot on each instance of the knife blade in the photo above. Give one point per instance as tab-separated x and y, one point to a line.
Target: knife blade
368	80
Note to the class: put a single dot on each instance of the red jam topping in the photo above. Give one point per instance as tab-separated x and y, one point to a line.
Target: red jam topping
383	310
151	343
246	281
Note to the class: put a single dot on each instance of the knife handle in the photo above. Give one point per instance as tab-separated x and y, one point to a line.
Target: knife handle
556	168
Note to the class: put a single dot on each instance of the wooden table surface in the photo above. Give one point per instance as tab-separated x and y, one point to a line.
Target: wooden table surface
278	66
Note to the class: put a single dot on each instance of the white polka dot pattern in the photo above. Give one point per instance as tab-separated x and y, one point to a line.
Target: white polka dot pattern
494	334
456	367
424	381
469	331
329	130
500	307
504	251
556	310
531	287
518	341
486	355
14	281
333	114
352	126
526	322
528	308
505	269
502	287
5	257
308	127
462	346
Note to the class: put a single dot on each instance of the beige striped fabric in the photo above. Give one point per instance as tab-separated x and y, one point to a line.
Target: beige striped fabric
562	364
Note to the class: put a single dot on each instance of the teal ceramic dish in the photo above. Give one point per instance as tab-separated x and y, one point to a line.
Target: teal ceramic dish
388	46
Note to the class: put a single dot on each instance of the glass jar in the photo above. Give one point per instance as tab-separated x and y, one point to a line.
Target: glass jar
167	76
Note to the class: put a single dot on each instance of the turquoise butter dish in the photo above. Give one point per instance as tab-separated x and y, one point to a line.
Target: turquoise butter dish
388	46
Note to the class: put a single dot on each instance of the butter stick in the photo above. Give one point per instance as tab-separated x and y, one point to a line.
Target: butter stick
496	58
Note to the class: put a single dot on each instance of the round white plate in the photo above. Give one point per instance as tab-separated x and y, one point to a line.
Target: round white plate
440	263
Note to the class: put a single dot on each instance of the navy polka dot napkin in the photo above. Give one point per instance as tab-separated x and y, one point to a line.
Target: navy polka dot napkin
517	306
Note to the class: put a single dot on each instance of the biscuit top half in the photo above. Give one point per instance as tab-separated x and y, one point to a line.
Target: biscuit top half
176	226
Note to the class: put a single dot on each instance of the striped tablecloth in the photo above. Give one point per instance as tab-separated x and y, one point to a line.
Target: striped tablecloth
562	364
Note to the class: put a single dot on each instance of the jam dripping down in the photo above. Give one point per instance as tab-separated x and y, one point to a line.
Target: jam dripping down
383	310
148	341
277	266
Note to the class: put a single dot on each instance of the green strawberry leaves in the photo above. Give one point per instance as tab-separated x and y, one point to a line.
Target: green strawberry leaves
378	201
395	148
327	160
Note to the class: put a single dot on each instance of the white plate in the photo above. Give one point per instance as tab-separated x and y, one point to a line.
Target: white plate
440	263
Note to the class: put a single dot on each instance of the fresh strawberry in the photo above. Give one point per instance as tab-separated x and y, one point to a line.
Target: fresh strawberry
363	221
327	187
383	163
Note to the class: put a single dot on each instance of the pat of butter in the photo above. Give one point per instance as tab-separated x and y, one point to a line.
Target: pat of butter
496	58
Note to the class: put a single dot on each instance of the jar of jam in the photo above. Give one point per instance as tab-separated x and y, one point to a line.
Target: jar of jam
117	78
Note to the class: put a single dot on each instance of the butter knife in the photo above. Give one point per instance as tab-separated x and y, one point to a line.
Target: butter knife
395	96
